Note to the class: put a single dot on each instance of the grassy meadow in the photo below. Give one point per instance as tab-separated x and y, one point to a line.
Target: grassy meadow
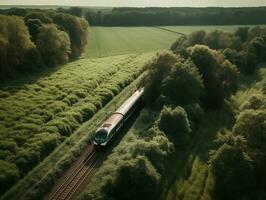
208	28
106	41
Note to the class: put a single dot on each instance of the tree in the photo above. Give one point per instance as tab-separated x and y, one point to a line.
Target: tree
232	169
219	75
9	174
33	26
258	47
39	15
77	29
251	125
197	37
183	85
174	122
14	43
157	70
138	178
242	33
54	45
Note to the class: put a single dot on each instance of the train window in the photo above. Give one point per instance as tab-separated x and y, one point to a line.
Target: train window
101	136
106	125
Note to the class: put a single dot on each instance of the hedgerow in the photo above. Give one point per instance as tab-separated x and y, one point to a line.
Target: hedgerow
33	110
40	180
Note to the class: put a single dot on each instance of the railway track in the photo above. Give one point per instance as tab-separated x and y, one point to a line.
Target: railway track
77	176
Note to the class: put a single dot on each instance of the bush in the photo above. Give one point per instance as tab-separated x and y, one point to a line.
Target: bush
174	122
9	174
133	176
233	171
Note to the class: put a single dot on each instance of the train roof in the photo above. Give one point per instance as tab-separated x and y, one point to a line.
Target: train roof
114	119
117	116
125	107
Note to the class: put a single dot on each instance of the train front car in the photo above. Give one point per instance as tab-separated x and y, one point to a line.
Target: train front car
111	126
100	138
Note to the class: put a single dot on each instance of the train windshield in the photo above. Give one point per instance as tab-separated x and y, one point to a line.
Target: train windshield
100	136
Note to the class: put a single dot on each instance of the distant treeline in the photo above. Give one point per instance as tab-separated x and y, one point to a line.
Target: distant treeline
176	16
34	39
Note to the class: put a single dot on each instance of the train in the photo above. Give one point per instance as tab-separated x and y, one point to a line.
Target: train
116	120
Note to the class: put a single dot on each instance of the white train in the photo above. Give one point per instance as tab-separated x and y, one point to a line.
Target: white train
110	127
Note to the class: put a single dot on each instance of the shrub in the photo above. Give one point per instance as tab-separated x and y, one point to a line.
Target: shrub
9	174
133	177
174	122
232	169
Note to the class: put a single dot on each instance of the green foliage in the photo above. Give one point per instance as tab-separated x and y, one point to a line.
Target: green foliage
232	168
77	29
8	175
33	27
175	16
54	45
138	177
242	33
219	75
174	122
137	163
38	116
158	69
14	44
39	16
183	85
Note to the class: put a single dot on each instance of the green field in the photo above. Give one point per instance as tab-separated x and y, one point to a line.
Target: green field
189	29
107	41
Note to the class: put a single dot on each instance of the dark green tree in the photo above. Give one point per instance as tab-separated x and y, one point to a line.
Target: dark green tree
54	45
174	122
183	85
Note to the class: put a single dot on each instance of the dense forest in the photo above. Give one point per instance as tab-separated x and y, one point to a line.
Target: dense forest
198	77
31	40
176	16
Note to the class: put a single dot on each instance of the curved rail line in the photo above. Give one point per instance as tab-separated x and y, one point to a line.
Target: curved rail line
78	175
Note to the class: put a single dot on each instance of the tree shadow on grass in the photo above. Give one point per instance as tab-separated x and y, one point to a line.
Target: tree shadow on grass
200	146
17	83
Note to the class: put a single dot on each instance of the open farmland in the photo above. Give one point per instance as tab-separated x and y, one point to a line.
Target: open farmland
107	41
36	116
190	29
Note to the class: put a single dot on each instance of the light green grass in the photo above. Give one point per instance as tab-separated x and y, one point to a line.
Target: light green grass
106	41
190	29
